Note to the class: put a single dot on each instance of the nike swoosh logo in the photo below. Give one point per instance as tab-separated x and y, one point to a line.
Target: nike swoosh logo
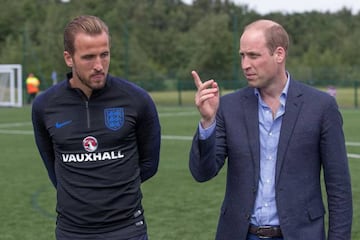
62	124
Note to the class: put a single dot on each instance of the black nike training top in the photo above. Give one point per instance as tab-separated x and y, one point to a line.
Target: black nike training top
97	151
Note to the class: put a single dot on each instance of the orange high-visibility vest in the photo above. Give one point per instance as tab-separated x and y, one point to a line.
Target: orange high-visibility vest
32	85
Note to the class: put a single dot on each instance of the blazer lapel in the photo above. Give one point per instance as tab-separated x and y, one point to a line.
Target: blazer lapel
250	106
292	109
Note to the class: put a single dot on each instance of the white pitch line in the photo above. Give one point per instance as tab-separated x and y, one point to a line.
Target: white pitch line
165	137
18	124
353	155
353	144
168	137
24	132
173	114
173	137
16	132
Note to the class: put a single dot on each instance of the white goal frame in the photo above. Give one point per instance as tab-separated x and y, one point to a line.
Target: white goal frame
11	87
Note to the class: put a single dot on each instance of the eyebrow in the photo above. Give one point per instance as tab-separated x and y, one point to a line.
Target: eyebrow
251	53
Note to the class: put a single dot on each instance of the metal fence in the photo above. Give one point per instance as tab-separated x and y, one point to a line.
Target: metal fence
182	93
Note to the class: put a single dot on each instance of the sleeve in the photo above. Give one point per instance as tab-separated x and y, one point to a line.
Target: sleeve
336	174
148	139
43	141
207	155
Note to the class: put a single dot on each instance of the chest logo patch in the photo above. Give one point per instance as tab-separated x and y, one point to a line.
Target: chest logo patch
114	118
90	144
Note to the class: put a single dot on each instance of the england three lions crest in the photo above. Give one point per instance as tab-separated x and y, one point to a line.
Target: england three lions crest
114	118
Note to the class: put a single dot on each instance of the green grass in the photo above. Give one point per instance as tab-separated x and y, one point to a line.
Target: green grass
176	207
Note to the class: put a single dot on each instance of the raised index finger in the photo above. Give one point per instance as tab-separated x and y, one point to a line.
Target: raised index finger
197	79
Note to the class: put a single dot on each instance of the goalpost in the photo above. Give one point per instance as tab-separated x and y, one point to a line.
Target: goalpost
11	90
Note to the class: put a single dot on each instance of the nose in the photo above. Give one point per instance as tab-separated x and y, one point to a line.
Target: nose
98	66
244	63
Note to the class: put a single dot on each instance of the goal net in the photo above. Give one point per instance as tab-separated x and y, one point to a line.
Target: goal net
11	85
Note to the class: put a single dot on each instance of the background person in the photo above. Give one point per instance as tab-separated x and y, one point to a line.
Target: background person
32	87
331	90
277	135
99	138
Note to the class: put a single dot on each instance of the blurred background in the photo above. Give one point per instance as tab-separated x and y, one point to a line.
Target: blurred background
156	43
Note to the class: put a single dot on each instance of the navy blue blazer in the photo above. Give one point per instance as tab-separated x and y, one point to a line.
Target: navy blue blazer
311	142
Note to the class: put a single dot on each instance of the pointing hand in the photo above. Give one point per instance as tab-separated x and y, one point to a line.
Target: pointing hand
206	99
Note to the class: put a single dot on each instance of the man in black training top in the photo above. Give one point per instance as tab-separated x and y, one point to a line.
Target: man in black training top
99	138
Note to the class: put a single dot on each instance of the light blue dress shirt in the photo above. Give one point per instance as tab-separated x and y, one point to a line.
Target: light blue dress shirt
265	211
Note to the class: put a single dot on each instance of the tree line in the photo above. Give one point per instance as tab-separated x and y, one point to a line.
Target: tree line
158	42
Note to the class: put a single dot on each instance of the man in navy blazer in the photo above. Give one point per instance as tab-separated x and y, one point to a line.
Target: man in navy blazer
278	136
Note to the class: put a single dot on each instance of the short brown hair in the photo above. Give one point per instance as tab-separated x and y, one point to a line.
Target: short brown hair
275	34
82	24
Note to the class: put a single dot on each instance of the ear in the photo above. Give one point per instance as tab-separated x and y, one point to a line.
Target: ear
68	59
280	54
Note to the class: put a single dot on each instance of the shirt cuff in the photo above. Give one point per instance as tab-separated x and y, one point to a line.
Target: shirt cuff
205	133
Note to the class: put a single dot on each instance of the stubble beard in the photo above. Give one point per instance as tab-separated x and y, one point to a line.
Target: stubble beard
86	82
